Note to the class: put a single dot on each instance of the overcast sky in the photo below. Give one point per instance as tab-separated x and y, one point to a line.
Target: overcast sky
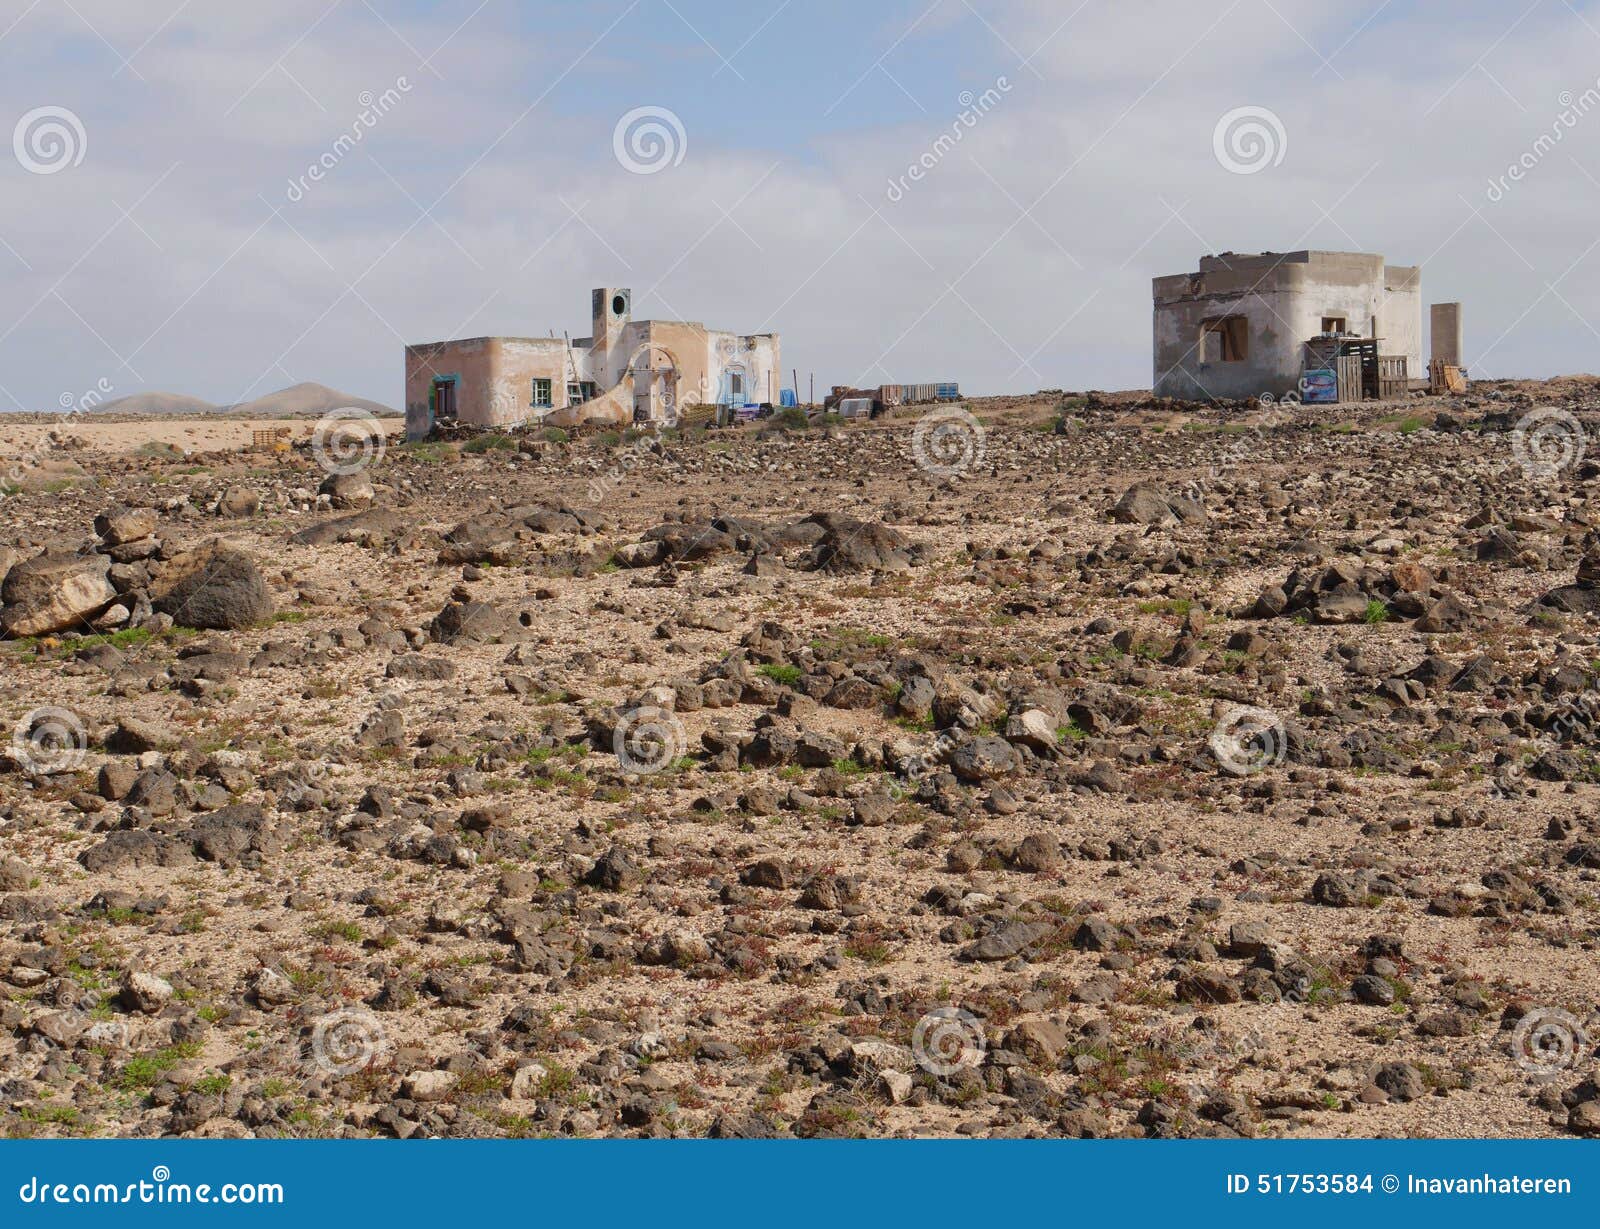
160	227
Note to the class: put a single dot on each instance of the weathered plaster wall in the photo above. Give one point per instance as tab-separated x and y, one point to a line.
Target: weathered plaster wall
1284	297
1400	317
614	406
1444	329
471	361
520	361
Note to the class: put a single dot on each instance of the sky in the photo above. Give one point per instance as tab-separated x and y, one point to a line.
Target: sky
222	199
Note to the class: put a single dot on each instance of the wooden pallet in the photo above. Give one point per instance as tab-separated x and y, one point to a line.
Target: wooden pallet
1444	379
273	439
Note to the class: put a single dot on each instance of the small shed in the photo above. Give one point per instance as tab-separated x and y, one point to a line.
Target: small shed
1362	372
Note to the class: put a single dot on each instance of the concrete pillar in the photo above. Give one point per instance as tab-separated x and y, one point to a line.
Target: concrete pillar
1444	325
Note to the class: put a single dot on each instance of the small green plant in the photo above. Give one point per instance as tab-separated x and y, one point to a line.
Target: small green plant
144	1071
787	675
489	441
1377	611
431	451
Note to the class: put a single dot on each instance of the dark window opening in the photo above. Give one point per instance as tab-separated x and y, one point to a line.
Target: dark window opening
583	390
1225	341
444	400
618	305
1335	324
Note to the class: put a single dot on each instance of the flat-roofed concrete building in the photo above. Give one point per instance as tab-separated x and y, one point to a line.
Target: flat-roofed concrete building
1240	326
625	371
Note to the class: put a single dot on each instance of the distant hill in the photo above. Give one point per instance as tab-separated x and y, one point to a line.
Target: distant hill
159	404
306	399
298	401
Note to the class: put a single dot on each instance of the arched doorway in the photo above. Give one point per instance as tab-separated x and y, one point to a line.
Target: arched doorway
655	384
734	387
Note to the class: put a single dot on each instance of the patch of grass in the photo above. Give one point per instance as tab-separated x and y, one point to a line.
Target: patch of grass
787	675
430	451
144	1071
490	441
556	1081
350	932
555	435
1377	611
52	1115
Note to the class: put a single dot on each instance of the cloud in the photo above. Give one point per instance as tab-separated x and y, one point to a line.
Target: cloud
488	199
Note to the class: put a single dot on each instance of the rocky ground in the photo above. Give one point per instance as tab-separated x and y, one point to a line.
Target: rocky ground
1093	766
